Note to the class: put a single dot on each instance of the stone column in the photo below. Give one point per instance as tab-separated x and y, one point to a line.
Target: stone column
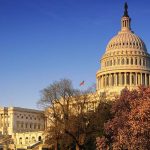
135	78
102	81
141	79
116	78
97	84
120	77
130	77
107	80
110	79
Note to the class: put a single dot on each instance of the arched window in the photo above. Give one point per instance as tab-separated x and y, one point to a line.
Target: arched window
26	140
33	139
143	62
122	61
131	61
135	61
39	126
107	63
127	61
147	63
140	62
35	126
21	125
20	140
114	62
110	62
118	62
39	138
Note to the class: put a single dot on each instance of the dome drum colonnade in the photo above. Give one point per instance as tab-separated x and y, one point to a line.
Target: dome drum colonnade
126	62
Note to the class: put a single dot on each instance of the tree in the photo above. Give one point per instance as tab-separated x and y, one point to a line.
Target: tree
129	127
72	114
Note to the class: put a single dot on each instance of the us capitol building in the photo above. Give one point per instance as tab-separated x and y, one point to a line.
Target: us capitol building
125	63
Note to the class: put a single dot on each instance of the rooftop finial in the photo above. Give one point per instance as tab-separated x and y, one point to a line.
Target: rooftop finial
125	10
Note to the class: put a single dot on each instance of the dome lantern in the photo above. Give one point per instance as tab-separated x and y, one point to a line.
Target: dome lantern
125	21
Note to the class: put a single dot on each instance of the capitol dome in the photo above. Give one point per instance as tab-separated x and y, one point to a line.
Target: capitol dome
125	63
126	40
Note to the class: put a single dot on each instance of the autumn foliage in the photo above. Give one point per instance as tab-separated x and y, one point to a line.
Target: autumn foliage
129	128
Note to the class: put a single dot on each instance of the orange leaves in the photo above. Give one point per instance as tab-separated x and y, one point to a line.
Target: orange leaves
130	126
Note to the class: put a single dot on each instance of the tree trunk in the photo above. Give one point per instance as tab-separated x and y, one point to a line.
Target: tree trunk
56	145
81	147
77	147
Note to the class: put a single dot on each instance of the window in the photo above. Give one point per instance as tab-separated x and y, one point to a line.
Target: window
33	139
39	126
21	125
110	62
143	62
127	61
122	62
118	61
114	62
20	140
140	62
131	61
135	61
34	126
26	140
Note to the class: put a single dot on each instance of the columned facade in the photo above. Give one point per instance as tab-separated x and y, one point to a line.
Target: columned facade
123	79
126	62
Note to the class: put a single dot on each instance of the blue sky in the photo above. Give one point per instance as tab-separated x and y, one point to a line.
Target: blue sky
45	40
